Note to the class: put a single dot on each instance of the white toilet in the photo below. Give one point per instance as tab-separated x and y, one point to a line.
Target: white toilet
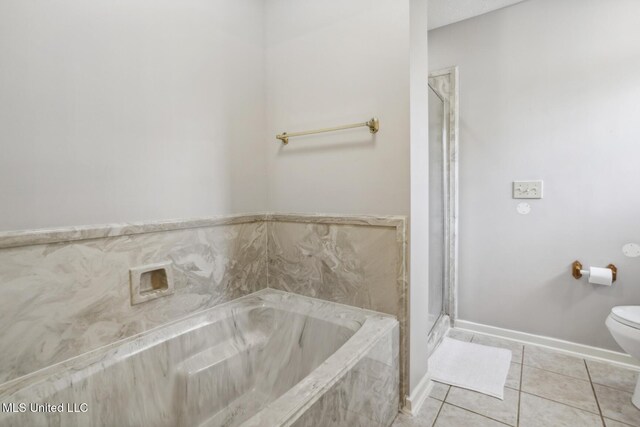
624	325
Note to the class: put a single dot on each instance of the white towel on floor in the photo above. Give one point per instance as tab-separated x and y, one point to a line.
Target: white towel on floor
472	366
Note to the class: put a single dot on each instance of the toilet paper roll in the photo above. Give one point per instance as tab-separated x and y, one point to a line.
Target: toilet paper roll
600	276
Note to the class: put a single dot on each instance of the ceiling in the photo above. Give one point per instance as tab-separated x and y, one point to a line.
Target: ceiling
444	12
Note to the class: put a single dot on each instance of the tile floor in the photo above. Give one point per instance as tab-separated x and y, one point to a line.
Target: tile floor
544	388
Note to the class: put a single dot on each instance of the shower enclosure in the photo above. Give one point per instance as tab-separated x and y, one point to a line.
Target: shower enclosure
443	182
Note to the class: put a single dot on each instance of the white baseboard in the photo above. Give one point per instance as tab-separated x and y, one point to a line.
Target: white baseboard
571	348
413	402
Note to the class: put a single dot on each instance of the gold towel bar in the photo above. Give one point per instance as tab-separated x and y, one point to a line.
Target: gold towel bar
373	125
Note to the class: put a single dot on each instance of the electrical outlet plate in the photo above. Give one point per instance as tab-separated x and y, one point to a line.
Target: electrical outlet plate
527	189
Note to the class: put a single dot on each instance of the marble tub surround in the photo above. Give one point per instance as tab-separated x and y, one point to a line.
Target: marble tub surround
349	402
231	355
354	260
545	388
341	262
72	294
68	292
13	239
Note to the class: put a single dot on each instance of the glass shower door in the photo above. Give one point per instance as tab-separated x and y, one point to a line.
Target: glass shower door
437	194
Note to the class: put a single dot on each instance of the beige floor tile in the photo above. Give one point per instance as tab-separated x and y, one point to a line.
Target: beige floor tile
616	405
505	410
425	417
553	361
560	388
439	390
460	335
513	378
612	423
538	412
612	376
516	348
451	416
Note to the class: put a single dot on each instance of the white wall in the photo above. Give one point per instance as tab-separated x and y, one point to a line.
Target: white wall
331	63
548	90
419	224
130	110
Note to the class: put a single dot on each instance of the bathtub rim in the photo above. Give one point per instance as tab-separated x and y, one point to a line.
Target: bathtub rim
285	410
63	371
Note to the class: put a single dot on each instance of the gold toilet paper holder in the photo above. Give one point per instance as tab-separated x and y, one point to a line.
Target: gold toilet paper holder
576	268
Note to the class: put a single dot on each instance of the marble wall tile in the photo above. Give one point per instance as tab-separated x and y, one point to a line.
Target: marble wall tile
12	239
66	291
358	261
344	263
62	299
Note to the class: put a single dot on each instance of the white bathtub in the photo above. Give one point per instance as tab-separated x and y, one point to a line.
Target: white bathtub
268	359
